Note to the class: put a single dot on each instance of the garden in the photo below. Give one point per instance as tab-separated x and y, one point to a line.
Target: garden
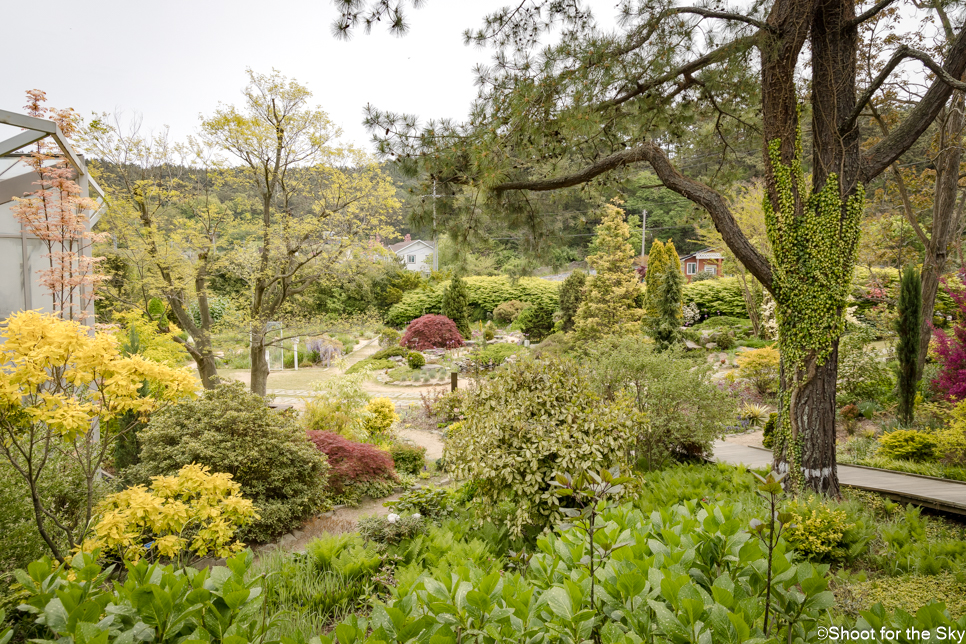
235	408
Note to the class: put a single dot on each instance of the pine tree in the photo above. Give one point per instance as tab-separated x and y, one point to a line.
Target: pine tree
571	295
908	322
456	305
609	305
665	326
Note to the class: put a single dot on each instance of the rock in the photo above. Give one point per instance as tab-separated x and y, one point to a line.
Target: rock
691	346
711	345
287	540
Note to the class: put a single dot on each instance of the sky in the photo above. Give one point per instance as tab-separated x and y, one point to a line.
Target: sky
174	60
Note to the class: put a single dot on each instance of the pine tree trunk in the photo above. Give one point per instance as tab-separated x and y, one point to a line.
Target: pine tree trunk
811	412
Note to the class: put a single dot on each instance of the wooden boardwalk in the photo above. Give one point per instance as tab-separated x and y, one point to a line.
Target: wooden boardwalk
929	492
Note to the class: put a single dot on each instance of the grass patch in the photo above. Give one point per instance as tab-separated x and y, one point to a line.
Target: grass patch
375	365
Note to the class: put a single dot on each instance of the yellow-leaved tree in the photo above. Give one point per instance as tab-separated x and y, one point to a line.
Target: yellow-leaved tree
609	305
318	203
179	518
61	384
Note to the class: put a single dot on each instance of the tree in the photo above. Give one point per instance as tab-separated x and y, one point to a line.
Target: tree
609	305
312	213
593	103
665	316
167	222
571	295
908	323
746	203
57	215
656	265
58	381
456	305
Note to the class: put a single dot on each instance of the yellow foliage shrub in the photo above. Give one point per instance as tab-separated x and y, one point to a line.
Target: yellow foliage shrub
760	367
178	517
951	440
381	416
817	531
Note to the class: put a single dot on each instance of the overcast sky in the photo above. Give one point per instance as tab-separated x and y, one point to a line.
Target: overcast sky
176	59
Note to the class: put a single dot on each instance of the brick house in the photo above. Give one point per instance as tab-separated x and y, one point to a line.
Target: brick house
706	259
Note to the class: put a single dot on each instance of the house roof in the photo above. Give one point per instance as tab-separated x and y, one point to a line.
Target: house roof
403	245
714	254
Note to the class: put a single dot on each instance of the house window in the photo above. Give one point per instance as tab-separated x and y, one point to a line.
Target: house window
711	268
692	268
410	259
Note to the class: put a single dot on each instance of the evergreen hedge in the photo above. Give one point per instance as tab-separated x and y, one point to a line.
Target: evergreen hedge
717	297
484	295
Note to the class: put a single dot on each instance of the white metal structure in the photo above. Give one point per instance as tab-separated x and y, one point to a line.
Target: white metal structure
22	254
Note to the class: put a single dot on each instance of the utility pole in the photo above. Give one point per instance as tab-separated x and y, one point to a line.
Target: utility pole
643	232
435	235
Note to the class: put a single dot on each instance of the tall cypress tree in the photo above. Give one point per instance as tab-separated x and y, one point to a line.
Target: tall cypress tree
665	325
908	322
655	268
571	294
456	305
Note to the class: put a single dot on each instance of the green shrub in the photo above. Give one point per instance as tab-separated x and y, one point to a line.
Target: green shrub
680	409
760	367
557	344
429	502
391	529
389	337
911	592
535	322
455	305
822	533
389	352
535	422
408	459
907	445
340	406
484	295
415	360
862	374
232	430
721	297
571	295
951	440
507	312
370	364
492	356
61	486
768	435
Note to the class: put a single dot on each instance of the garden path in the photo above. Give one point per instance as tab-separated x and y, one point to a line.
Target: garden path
926	491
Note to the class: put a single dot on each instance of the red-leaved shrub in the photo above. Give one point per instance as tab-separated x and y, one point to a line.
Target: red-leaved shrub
951	349
351	462
432	332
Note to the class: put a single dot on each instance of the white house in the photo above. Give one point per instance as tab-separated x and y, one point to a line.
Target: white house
416	254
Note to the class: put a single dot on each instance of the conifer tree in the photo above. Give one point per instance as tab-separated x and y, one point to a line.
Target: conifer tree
456	305
665	325
655	268
571	295
609	305
909	309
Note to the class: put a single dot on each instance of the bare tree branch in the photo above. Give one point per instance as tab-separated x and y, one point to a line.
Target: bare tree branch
871	12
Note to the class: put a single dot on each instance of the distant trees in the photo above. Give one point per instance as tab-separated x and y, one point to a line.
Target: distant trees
609	304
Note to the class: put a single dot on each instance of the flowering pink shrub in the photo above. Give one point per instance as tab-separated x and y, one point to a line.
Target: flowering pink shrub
431	332
951	348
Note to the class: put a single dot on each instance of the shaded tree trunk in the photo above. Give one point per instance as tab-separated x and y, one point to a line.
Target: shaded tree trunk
259	371
946	219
